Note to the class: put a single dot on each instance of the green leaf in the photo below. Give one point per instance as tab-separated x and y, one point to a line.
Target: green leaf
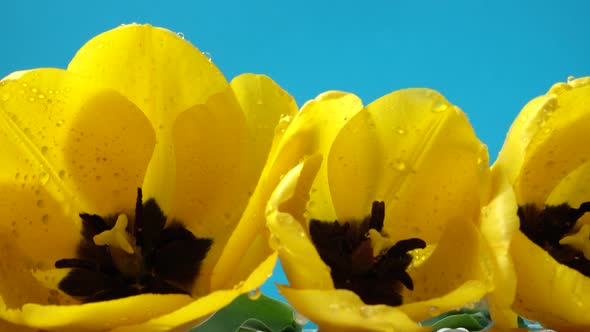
472	320
243	314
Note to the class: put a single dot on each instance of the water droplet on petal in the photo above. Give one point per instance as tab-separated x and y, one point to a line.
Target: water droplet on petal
43	178
274	241
401	131
180	34
400	165
34	90
366	311
299	318
439	107
62	174
44	149
45	219
41	96
434	311
570	78
255	294
40	203
59	123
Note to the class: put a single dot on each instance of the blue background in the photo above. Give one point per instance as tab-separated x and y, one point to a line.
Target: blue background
488	57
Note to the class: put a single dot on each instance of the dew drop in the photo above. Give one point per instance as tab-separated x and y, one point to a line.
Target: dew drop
40	203
24	85
180	34
34	90
17	175
41	96
44	149
366	311
255	294
43	178
45	219
400	131
570	78
274	241
299	318
434	311
32	99
207	55
62	174
439	107
400	165
59	123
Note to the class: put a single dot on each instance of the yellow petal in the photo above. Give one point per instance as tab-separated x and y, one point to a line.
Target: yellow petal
98	316
554	149
300	260
88	146
416	152
308	133
211	188
342	310
453	276
188	316
547	291
160	73
499	224
6	326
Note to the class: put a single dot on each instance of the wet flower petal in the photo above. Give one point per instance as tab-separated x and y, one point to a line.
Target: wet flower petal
139	110
416	153
542	165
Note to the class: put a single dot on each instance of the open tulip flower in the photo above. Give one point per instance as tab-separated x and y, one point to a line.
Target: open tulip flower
122	181
377	226
537	222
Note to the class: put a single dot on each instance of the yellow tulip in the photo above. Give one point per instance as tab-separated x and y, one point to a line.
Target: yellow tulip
377	226
536	223
123	179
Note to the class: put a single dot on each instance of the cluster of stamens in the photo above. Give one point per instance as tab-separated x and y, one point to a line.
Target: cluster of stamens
349	251
117	259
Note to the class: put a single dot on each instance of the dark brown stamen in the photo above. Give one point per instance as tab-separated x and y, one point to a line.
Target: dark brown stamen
346	248
548	226
167	261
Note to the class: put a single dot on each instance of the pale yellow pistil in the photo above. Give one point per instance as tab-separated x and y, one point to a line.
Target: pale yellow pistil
579	240
116	237
125	254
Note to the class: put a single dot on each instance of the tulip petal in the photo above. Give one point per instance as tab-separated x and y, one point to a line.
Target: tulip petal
211	188
549	287
188	316
342	310
164	75
6	326
300	260
88	146
411	149
565	123
499	224
33	237
453	276
309	132
98	316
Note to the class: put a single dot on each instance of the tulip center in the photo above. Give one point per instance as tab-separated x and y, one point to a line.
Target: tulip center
362	259
117	258
557	230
